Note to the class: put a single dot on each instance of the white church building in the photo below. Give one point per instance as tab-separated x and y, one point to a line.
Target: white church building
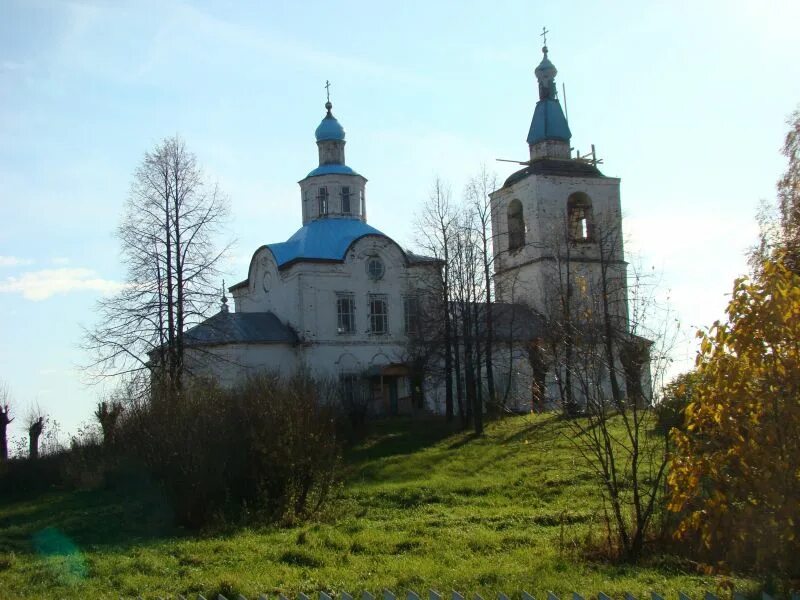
339	297
336	298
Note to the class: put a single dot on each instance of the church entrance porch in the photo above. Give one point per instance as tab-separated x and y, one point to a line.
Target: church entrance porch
390	389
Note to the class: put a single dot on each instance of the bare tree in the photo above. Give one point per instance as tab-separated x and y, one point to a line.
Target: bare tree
435	230
466	301
606	361
477	196
460	237
5	420
171	220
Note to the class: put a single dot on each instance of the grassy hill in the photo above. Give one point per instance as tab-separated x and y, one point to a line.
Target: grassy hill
421	507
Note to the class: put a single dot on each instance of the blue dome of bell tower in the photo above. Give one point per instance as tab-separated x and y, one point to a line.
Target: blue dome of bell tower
329	129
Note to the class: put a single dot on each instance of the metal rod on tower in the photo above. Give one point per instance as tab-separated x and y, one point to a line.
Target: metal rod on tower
566	110
519	162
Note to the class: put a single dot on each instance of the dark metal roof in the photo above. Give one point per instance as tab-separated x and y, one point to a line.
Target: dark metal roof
511	322
237	328
517	322
419	258
556	167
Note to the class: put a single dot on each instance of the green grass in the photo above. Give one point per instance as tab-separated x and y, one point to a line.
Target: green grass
420	508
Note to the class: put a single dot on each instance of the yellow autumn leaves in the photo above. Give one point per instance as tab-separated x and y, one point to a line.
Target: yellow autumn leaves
735	471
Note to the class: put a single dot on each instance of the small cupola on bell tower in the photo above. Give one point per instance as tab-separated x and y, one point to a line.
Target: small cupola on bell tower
549	135
330	139
332	190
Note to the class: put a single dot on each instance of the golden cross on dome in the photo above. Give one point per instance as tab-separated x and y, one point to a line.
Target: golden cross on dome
328	89
544	35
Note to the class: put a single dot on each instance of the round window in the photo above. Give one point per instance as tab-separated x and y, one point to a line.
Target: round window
375	268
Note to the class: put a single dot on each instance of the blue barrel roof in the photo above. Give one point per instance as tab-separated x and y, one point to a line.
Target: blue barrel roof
323	239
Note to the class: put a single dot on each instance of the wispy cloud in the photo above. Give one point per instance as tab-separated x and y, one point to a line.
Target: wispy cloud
14	261
278	45
185	29
40	285
12	65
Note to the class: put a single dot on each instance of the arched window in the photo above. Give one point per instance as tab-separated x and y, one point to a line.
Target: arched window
579	217
516	225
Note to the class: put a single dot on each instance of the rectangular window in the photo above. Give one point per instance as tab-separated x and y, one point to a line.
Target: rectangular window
346	200
378	314
411	307
345	314
362	208
323	200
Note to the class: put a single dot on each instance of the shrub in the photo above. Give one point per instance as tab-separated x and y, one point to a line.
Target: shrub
678	394
85	465
735	472
267	449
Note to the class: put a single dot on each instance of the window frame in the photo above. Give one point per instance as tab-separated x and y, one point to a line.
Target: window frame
515	223
322	198
345	319
378	317
345	196
411	315
375	260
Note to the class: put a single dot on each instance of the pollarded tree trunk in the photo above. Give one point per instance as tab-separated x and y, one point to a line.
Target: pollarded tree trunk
34	432
107	415
5	421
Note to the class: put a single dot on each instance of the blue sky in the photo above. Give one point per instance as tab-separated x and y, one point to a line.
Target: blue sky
685	101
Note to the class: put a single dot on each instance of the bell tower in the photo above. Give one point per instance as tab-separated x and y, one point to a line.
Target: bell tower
558	212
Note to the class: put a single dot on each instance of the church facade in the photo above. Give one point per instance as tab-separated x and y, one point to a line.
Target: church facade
340	299
337	298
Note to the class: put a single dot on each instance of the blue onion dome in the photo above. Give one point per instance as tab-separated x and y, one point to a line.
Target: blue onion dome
329	128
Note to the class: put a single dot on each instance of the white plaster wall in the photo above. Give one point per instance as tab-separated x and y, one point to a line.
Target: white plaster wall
326	350
522	273
304	295
309	190
230	364
269	289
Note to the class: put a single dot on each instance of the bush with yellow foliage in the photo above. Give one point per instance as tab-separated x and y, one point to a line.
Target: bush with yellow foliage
735	471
